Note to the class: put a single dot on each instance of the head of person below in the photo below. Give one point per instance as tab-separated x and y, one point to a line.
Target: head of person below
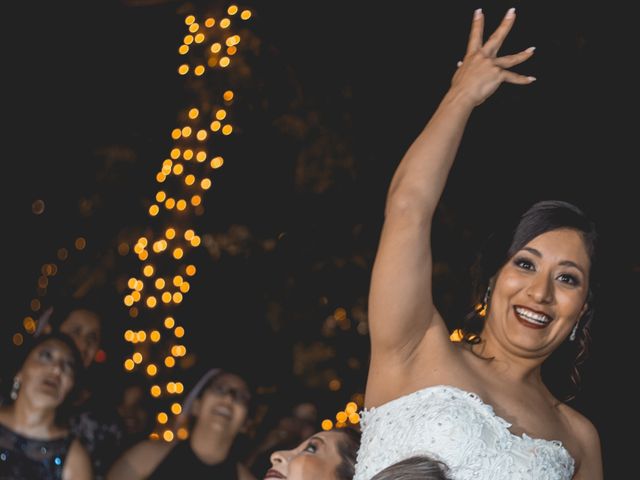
217	409
327	455
420	467
480	406
35	441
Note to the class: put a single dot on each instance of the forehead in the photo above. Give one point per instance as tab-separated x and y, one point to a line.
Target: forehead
567	243
231	380
55	346
82	317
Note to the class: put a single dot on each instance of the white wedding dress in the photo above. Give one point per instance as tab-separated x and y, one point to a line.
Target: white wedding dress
458	428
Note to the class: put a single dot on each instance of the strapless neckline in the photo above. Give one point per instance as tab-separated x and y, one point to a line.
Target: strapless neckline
481	404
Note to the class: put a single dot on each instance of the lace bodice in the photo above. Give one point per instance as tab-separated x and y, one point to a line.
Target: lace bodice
458	428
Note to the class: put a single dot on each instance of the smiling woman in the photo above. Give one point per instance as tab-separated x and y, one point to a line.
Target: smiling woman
217	408
480	405
35	441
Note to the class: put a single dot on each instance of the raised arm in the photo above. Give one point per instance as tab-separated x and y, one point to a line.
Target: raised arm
401	310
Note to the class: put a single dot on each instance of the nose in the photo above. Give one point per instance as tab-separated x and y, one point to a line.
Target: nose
541	289
279	457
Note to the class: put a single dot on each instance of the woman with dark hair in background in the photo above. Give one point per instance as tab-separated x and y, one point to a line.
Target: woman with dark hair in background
35	440
217	408
480	405
329	455
94	419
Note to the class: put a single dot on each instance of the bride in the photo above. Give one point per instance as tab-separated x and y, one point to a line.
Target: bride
480	406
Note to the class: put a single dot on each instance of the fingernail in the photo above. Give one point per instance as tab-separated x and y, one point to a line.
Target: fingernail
510	13
530	49
477	13
532	79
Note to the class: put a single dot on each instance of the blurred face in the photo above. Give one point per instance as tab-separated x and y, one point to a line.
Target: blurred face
317	458
47	375
540	293
224	404
134	415
84	327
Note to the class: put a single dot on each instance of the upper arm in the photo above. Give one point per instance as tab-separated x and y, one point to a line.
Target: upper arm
78	464
139	461
401	308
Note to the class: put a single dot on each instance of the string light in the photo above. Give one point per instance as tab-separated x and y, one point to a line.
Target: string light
185	176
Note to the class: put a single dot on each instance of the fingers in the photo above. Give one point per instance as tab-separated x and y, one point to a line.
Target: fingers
516	78
509	61
477	27
496	39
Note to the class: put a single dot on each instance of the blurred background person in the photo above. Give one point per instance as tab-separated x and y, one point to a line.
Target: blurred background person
216	412
35	439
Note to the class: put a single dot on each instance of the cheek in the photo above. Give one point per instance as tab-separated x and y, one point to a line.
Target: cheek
307	467
67	384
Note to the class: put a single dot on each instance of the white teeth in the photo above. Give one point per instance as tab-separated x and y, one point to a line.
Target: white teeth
533	317
225	412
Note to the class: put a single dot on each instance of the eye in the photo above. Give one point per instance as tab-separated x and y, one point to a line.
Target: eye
524	263
311	447
68	367
569	279
45	354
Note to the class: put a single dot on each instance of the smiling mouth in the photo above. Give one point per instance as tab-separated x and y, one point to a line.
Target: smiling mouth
531	318
222	412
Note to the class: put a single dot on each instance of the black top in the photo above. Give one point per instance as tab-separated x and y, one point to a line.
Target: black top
182	462
31	458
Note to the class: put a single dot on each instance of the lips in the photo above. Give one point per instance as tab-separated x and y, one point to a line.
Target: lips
223	411
273	474
532	318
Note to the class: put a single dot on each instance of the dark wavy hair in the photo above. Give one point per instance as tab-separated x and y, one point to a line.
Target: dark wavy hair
541	217
348	449
420	467
64	410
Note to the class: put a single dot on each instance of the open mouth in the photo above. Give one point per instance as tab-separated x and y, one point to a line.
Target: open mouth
223	411
50	385
532	318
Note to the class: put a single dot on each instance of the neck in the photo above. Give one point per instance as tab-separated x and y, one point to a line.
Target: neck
211	446
508	364
32	420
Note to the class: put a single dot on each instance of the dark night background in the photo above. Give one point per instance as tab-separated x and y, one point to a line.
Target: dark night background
336	94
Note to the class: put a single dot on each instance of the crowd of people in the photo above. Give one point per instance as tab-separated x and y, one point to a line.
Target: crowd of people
434	408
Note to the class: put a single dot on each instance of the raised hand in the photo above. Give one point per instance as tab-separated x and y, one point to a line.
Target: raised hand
482	71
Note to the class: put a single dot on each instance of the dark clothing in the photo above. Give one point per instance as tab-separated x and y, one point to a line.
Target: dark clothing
31	458
101	434
182	461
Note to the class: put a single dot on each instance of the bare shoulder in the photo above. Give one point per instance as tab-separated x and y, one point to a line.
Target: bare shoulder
152	448
244	473
78	463
583	429
587	440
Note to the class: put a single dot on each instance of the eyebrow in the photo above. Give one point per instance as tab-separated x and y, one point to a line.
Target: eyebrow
566	263
315	437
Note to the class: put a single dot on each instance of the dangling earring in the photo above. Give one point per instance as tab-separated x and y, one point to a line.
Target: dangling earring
15	388
485	302
572	337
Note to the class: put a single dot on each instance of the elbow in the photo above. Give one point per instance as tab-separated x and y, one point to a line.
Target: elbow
402	204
